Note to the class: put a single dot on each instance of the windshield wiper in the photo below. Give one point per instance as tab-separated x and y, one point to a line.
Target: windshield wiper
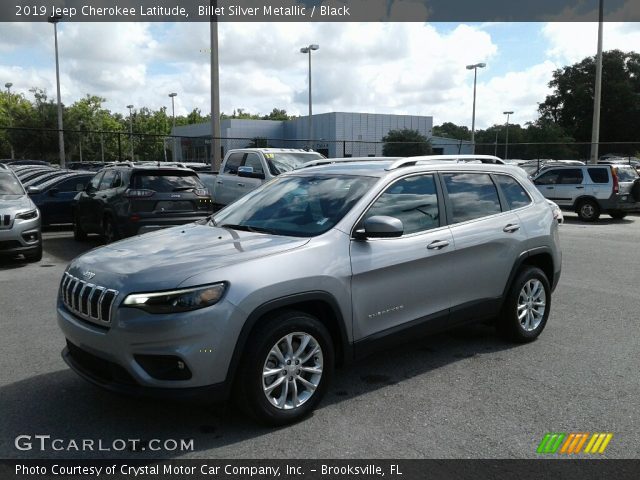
246	228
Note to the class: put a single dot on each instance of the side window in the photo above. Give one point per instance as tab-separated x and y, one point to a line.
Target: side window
253	160
516	195
548	178
570	176
413	200
107	180
69	185
598	174
95	181
233	162
117	180
472	195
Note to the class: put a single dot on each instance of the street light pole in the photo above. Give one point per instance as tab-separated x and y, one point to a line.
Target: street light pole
8	85
506	141
215	90
173	114
307	50
81	125
597	97
54	19
130	107
475	68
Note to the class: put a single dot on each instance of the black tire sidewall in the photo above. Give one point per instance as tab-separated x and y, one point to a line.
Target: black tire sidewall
257	348
596	210
78	233
509	324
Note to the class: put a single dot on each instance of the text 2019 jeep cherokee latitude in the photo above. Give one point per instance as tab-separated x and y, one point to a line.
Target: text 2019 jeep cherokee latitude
320	266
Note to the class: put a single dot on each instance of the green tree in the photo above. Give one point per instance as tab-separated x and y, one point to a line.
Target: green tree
277	114
571	104
405	143
451	130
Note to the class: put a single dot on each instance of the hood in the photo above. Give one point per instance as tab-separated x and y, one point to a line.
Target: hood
164	259
15	203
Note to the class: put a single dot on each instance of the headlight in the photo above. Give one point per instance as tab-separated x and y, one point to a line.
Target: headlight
177	300
31	214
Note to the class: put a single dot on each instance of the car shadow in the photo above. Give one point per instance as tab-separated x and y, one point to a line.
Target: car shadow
62	405
603	220
66	248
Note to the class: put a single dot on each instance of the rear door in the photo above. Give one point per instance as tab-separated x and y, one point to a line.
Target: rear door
87	203
599	183
571	185
245	185
488	239
60	195
396	281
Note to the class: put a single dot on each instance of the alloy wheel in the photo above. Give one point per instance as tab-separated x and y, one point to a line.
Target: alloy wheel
532	303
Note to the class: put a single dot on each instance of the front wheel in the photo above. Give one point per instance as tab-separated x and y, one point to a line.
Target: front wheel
79	235
35	255
287	368
527	306
110	230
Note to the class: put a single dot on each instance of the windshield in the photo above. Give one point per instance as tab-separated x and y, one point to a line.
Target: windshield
626	174
298	206
9	185
287	161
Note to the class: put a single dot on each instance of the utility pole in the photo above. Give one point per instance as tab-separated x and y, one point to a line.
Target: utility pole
215	91
597	97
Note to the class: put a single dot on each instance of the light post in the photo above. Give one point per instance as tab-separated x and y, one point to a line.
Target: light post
54	19
475	68
506	141
81	125
597	96
8	85
215	90
130	107
307	50
173	114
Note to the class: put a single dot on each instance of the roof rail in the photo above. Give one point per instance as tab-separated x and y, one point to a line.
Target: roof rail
329	161
410	161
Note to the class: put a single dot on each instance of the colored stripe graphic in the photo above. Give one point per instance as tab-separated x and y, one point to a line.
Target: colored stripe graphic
572	443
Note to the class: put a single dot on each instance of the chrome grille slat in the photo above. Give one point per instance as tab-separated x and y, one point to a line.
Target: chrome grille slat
85	299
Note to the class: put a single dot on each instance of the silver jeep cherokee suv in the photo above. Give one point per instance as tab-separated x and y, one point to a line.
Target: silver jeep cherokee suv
318	267
19	219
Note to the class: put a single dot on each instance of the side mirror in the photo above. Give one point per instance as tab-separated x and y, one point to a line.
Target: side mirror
247	172
33	191
381	226
53	192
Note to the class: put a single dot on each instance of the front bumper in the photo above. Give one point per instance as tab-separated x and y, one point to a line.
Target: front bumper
109	356
24	236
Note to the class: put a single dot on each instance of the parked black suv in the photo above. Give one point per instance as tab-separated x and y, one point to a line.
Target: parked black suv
123	201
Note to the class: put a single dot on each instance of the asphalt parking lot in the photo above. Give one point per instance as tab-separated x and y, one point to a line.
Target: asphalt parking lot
462	395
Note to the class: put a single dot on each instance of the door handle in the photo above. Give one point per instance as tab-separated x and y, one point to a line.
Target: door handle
240	184
549	188
512	227
438	244
580	188
219	182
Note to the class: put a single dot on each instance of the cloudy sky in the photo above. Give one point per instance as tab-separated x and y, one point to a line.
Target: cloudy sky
403	68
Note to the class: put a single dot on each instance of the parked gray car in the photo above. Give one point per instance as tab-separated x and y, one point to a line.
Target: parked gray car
19	219
590	190
318	267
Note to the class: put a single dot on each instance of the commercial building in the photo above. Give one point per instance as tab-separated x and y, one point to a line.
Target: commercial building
335	134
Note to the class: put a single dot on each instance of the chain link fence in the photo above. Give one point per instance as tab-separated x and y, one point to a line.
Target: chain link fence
108	146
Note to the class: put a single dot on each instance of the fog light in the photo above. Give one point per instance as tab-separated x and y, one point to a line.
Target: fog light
30	236
164	367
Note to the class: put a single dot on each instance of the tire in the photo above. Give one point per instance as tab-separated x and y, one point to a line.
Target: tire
617	214
275	406
588	210
79	235
530	286
36	255
110	230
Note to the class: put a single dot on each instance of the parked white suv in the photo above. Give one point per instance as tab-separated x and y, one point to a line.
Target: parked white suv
590	190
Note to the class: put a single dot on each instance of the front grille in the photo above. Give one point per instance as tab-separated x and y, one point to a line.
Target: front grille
87	300
5	221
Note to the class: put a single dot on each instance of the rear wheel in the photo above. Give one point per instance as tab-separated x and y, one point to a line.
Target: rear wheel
110	230
287	368
617	214
588	210
526	308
